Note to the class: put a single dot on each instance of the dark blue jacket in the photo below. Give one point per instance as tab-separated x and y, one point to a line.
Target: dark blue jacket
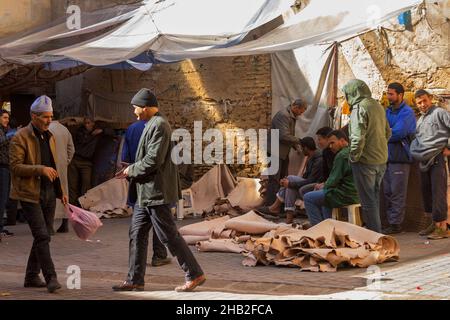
402	121
132	137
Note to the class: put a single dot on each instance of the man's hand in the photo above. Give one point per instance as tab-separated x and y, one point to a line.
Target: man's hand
97	132
123	174
65	200
319	186
50	173
284	182
446	152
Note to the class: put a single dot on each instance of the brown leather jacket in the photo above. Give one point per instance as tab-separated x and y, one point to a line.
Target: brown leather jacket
26	170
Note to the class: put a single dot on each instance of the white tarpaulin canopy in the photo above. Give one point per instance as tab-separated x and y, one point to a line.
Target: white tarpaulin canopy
174	30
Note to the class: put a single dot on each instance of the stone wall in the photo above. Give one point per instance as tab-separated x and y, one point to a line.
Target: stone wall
223	93
420	58
20	16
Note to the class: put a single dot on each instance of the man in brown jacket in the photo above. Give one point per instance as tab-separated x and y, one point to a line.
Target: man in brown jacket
36	184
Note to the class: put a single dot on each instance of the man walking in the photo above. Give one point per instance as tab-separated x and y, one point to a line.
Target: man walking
368	148
431	146
155	185
36	184
402	121
130	147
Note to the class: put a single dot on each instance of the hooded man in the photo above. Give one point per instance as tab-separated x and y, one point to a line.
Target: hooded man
368	148
35	182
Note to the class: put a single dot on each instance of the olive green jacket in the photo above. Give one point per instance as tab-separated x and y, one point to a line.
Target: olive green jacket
369	129
340	189
154	177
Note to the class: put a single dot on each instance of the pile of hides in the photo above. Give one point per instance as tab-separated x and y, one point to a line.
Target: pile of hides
108	200
322	248
218	186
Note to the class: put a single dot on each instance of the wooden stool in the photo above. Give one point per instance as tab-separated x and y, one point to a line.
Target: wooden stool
354	216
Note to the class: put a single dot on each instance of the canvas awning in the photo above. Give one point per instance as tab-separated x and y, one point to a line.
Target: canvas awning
174	30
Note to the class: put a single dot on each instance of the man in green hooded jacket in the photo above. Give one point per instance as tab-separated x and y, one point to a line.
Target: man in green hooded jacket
369	134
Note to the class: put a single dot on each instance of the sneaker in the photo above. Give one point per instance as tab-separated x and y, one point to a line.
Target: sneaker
429	230
438	233
157	262
392	229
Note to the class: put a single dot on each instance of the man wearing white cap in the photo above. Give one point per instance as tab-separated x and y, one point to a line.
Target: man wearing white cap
36	184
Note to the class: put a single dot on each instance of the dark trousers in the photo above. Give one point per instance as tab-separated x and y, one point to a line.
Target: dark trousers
368	182
79	178
161	219
159	250
274	182
395	187
36	216
12	211
434	189
4	193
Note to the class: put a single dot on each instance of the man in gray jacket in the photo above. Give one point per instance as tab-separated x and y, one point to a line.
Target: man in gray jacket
431	146
154	186
284	121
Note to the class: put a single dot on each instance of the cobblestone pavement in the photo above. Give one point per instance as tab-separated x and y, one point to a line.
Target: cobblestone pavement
423	272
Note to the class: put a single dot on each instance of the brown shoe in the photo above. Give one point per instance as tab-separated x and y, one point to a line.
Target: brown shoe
191	285
289	217
128	286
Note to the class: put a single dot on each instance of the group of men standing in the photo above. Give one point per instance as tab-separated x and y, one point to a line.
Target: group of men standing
382	145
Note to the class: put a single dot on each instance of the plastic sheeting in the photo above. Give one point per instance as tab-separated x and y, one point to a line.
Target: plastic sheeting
167	24
180	29
302	73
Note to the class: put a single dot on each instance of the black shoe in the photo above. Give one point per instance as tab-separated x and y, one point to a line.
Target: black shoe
35	282
64	228
53	285
128	286
157	262
392	229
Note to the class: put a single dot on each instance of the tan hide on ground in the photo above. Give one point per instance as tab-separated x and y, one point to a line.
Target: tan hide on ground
246	194
251	223
110	196
323	247
216	183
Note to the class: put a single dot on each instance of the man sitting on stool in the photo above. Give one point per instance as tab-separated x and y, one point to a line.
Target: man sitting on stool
339	189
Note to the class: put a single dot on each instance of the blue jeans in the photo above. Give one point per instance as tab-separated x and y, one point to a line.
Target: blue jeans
4	193
289	195
315	207
368	181
395	187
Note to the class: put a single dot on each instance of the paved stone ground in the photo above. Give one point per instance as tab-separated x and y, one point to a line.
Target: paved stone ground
422	272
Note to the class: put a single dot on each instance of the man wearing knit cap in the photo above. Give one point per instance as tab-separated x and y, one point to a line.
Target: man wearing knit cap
155	185
36	184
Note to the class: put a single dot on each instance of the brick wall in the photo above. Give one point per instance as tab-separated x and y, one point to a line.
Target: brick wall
223	93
